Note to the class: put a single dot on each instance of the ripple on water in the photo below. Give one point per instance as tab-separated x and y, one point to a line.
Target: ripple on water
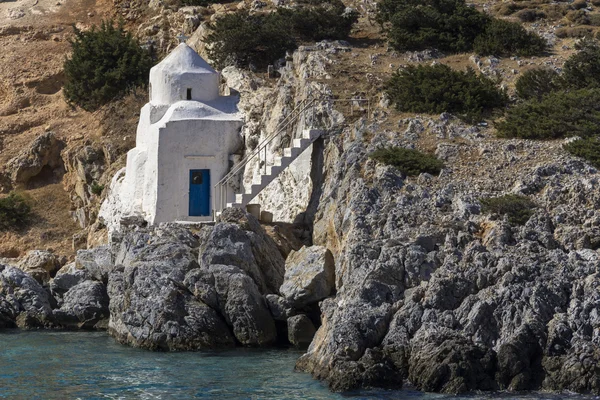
90	365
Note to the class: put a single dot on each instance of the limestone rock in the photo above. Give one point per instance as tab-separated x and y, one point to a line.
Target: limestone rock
239	240
150	307
432	289
243	306
309	276
42	152
23	301
301	330
84	306
40	264
66	278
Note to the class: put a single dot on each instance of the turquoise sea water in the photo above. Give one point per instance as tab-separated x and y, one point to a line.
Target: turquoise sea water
90	365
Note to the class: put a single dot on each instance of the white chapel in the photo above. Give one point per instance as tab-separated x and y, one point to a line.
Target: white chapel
185	143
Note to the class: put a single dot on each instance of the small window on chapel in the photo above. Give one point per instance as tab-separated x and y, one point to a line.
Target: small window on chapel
189	94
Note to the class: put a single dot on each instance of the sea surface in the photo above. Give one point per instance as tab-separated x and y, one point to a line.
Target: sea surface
91	365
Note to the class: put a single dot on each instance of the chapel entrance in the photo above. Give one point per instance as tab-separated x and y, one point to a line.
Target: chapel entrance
199	193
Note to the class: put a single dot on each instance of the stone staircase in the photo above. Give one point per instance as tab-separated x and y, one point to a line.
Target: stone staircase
299	145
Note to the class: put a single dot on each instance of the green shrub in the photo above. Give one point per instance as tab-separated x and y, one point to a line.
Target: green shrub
576	32
535	83
243	39
447	25
409	162
582	69
258	40
104	64
518	208
529	15
15	211
579	4
96	188
438	88
451	25
504	38
556	115
578	17
587	148
325	21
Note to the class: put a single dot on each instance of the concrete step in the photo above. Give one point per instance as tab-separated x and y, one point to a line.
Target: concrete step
271	172
292	152
301	143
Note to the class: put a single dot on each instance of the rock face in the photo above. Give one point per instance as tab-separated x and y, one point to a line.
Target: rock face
40	264
84	306
177	291
23	301
432	291
309	276
301	330
43	152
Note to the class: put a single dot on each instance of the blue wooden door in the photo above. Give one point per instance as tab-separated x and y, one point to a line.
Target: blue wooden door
199	192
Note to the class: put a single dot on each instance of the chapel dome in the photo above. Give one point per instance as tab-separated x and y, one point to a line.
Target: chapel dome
183	75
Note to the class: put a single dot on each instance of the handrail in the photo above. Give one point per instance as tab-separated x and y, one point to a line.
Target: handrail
221	187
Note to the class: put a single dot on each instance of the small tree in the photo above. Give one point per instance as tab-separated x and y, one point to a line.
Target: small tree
447	25
258	40
503	38
15	211
518	208
438	88
582	69
409	162
587	148
557	115
537	82
328	20
243	39
104	64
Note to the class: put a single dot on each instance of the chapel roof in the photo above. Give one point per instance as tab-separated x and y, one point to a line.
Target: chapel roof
185	59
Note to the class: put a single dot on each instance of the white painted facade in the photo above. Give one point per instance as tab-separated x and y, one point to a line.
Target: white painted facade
185	126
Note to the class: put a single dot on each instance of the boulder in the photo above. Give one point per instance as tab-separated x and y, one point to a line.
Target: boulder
309	276
40	264
84	306
24	303
239	240
67	277
150	306
44	151
301	330
243	306
280	308
96	262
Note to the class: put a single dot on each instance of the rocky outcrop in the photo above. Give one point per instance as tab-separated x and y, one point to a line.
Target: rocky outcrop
150	307
174	290
309	276
301	330
40	264
84	306
44	151
24	303
432	291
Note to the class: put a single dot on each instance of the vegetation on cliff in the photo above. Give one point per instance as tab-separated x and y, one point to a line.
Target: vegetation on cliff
257	40
106	62
518	208
452	25
438	88
587	148
15	211
409	162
